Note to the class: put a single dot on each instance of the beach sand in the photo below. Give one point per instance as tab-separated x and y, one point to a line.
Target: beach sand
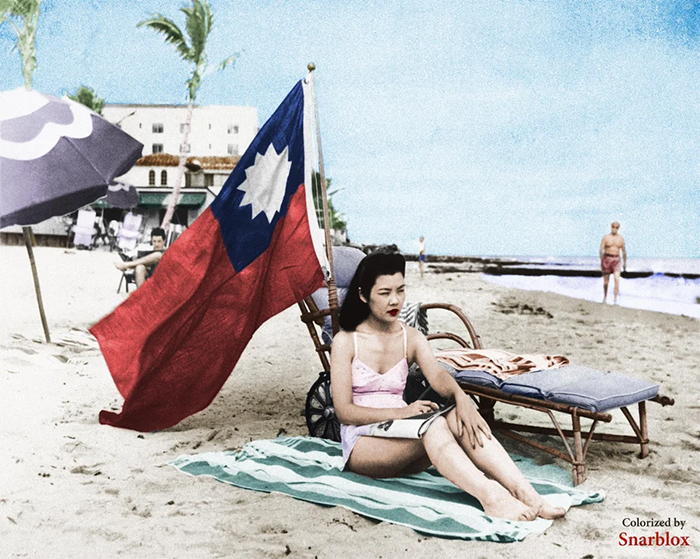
72	488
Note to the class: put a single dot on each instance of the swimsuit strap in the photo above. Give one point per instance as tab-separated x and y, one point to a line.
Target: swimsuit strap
405	348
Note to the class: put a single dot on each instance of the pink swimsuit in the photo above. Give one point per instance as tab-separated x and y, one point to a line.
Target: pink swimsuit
373	390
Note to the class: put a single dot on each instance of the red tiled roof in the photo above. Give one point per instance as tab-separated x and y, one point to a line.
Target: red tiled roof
210	163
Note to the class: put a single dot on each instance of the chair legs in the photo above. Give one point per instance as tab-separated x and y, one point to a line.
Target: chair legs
579	466
126	279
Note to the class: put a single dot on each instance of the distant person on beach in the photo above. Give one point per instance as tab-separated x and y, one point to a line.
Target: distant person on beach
421	255
610	247
145	266
369	367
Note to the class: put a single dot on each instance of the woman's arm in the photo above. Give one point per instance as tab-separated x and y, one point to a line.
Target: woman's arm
341	386
470	421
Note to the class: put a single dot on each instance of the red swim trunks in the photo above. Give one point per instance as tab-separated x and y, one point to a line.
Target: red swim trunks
610	264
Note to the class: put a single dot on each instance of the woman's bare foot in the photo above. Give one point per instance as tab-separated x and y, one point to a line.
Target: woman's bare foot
532	498
501	504
549	511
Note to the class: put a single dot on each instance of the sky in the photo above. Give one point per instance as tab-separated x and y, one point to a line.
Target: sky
491	127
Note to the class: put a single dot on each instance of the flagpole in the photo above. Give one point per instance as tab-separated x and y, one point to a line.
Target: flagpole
332	290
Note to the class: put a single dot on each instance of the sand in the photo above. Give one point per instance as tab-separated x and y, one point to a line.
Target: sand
72	488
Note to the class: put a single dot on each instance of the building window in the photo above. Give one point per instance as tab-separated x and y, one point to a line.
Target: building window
208	179
157	128
233	129
210	127
157	148
233	149
183	127
151	178
164	178
188	180
184	148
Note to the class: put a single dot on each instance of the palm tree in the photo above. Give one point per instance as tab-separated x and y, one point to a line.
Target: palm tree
199	20
336	220
28	12
88	97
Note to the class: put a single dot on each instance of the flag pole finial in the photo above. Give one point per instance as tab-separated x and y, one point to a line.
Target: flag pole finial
311	66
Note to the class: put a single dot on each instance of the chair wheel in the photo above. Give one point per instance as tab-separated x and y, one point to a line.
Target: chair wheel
320	413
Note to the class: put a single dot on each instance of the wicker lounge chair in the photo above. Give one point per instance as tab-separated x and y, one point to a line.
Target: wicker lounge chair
573	391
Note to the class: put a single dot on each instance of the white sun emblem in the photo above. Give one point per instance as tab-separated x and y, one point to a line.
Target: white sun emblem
265	182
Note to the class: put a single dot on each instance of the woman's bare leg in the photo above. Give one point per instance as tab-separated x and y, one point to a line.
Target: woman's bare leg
379	457
493	460
448	456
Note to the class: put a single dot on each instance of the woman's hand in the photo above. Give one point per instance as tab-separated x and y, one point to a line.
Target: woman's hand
469	421
418	407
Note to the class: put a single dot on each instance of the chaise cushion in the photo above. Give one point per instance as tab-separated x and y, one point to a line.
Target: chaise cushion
480	378
345	262
582	387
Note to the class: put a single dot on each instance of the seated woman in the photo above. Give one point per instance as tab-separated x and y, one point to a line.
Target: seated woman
369	367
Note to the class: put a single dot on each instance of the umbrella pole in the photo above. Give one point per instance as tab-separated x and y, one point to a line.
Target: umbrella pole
28	235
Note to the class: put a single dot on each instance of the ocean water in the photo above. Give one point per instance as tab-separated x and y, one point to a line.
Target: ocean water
659	292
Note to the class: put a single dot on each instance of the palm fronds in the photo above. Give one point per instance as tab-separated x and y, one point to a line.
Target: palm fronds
171	33
199	20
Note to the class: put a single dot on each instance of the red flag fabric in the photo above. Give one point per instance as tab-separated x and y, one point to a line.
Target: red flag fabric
173	343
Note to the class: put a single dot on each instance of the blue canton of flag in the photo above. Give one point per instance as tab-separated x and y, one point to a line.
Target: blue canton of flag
256	194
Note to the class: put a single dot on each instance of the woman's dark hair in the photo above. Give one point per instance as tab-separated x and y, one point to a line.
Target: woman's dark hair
382	262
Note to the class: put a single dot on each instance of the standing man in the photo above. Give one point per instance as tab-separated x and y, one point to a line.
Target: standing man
421	255
610	248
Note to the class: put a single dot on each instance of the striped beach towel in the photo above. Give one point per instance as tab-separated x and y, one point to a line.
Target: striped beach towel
498	362
309	469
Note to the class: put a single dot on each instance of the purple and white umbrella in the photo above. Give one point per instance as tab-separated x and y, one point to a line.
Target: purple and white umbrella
56	156
122	195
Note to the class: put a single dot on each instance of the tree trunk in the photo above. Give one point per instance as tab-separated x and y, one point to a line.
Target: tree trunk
180	170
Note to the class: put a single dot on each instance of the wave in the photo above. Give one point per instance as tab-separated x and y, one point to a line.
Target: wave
658	292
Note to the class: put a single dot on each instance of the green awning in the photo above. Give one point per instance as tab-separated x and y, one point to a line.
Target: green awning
160	199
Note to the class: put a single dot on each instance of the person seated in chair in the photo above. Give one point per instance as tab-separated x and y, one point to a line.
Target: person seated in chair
369	367
145	266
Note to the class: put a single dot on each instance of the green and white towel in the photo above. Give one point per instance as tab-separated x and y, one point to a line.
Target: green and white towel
309	469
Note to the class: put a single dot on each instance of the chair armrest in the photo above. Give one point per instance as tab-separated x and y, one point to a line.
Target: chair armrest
475	339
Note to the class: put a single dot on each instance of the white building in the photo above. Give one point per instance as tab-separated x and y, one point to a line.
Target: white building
219	134
217	130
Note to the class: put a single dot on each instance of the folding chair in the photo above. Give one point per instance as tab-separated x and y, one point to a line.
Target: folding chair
84	229
128	276
129	232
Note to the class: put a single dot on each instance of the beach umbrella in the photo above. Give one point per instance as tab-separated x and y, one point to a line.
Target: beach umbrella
122	195
56	156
